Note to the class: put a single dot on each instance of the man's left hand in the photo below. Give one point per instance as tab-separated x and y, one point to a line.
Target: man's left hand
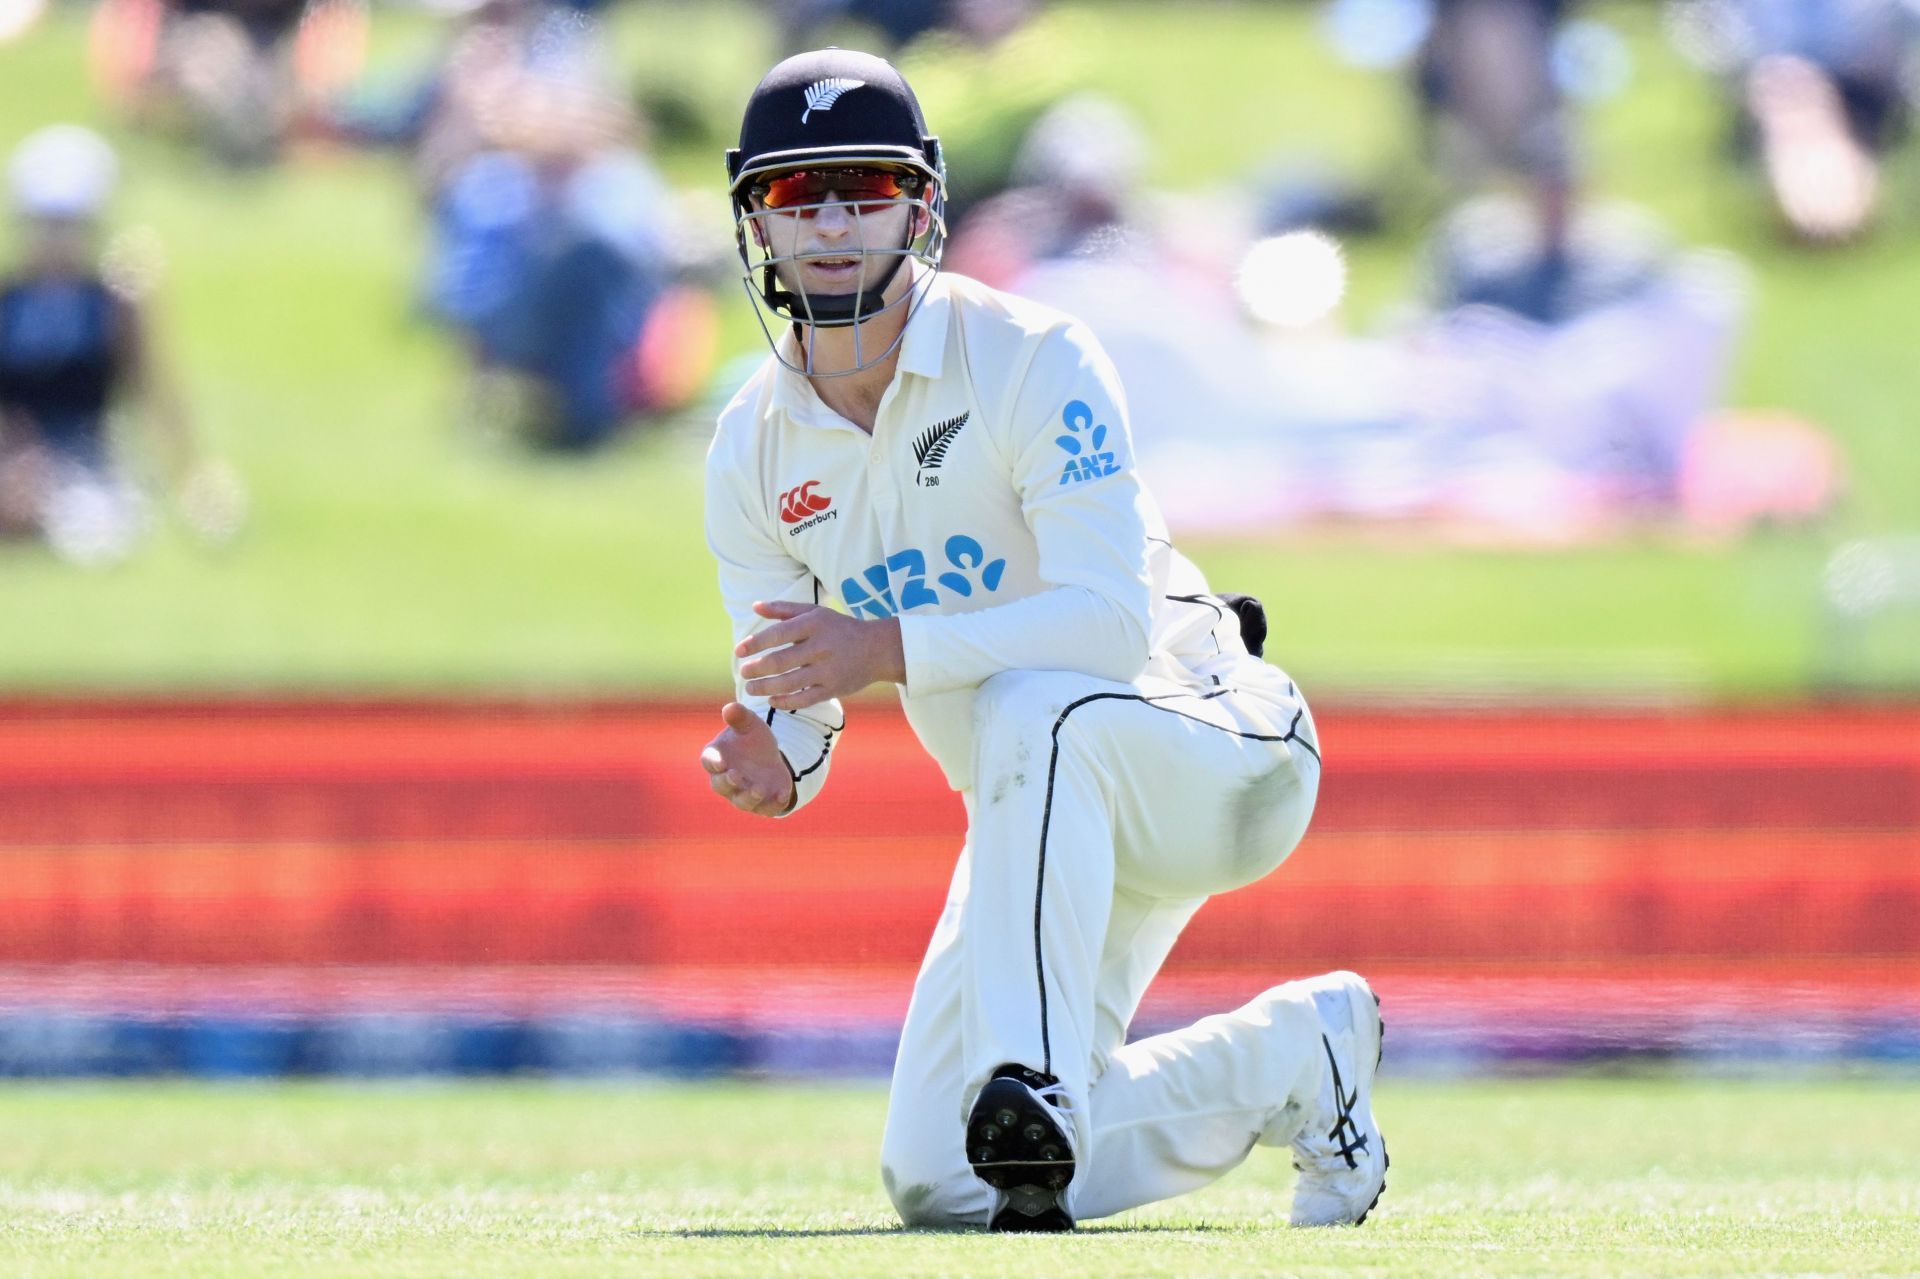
811	654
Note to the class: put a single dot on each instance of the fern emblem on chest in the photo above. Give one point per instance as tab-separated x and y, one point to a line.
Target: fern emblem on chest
822	94
930	450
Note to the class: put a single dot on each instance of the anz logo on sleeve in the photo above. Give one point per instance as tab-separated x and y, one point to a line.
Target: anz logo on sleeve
1084	445
872	593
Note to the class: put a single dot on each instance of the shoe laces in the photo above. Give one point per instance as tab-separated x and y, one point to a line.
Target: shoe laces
1057	1096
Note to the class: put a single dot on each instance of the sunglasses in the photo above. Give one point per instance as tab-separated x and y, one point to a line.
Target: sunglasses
868	190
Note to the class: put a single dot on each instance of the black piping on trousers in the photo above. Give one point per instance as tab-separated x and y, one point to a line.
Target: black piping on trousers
1046	814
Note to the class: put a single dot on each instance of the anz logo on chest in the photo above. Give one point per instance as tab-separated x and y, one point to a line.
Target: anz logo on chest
872	592
1084	444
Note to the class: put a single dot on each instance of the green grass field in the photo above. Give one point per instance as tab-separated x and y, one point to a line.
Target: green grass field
392	548
1598	1177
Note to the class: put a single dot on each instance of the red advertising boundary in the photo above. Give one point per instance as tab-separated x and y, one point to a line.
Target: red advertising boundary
433	833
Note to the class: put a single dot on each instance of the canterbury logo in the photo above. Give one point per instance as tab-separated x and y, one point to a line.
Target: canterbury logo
800	503
824	93
930	450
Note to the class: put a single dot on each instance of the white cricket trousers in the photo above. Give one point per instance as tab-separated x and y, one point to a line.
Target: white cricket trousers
1102	816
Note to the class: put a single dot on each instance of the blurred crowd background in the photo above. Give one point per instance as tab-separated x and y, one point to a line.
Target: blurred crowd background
356	362
1498	274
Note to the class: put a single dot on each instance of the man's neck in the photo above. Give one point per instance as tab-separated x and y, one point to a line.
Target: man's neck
855	396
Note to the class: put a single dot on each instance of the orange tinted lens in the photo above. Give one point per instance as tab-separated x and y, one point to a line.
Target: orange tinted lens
812	186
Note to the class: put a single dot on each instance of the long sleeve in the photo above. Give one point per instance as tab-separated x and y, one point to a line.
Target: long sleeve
754	567
1071	454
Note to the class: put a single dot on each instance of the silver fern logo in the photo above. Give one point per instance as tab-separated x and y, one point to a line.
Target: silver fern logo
824	93
930	450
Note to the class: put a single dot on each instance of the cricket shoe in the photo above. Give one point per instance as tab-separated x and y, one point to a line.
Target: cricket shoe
1020	1142
1339	1153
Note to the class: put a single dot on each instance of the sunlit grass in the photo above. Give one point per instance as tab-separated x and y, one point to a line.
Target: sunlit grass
1594	1178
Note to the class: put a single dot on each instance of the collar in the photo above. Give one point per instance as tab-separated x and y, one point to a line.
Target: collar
923	350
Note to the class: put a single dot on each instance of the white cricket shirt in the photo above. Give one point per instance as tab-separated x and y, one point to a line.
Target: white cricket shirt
995	509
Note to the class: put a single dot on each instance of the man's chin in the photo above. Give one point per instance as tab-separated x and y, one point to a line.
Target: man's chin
840	303
841	291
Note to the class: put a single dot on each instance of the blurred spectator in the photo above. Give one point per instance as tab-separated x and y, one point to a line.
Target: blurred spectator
557	261
1820	90
891	25
458	105
1491	80
1493	110
1602	349
557	251
1491	105
1572	353
231	74
73	342
1553	393
1074	185
1495	252
1530	406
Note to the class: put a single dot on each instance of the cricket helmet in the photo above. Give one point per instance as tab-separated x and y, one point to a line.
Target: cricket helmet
816	115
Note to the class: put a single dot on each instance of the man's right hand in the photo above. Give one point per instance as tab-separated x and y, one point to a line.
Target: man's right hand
744	765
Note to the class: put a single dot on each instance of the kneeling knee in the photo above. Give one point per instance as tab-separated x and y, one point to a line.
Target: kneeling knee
922	1198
